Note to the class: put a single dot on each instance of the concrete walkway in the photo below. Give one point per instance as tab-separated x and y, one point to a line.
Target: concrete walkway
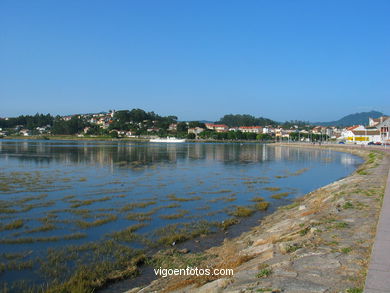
378	276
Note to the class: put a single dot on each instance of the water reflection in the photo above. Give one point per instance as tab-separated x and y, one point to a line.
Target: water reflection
118	153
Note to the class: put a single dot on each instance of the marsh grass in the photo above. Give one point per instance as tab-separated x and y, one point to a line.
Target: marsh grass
179	215
228	222
107	218
95	265
79	203
262	206
42	239
257	199
175	233
280	195
136	205
243	211
272	188
16	224
145	216
217	191
127	235
173	197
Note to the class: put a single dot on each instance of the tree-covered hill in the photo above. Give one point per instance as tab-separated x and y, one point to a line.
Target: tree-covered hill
352	119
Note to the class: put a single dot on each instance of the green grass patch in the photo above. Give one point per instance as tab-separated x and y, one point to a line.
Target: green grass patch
264	272
346	250
79	203
243	212
179	215
257	199
228	222
280	195
16	224
98	222
173	197
132	206
272	188
348	205
262	206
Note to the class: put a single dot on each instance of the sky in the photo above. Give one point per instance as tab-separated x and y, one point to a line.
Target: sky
198	60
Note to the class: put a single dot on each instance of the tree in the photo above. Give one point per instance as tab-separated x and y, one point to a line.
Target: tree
182	127
191	136
245	120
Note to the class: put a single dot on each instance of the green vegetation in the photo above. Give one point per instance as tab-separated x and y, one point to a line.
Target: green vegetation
245	120
142	217
127	235
257	199
42	239
79	203
217	191
280	195
272	188
190	198
293	247
243	212
228	222
262	206
132	206
264	272
175	233
348	205
98	222
346	250
179	215
16	224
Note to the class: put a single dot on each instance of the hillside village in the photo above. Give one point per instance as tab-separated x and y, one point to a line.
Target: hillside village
140	124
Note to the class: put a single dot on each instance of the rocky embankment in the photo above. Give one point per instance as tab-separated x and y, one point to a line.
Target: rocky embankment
320	243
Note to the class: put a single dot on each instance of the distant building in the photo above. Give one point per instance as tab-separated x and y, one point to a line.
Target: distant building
251	129
376	121
217	127
360	135
383	129
172	127
24	132
195	130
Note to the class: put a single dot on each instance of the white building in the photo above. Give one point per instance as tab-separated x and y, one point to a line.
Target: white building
383	129
360	135
251	129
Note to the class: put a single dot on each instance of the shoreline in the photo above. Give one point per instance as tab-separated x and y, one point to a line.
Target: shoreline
296	239
124	139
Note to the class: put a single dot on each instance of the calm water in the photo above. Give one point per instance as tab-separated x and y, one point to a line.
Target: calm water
68	185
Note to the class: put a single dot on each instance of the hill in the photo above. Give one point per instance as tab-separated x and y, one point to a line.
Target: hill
352	119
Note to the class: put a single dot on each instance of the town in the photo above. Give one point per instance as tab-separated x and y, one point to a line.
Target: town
137	123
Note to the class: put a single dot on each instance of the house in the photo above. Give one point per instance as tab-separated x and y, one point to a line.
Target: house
217	127
365	136
383	129
360	135
268	130
172	127
376	121
195	130
24	132
251	129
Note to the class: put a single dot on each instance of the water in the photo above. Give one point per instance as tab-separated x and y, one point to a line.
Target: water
63	189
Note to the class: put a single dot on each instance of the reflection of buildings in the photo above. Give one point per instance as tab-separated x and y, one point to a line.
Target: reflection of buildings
136	155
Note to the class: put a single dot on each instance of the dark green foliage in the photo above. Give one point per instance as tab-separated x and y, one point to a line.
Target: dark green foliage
28	121
245	120
72	126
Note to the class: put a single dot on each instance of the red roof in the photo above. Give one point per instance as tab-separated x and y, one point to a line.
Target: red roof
251	127
216	125
353	127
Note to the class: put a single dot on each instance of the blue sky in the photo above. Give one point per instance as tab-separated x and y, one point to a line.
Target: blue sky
291	59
